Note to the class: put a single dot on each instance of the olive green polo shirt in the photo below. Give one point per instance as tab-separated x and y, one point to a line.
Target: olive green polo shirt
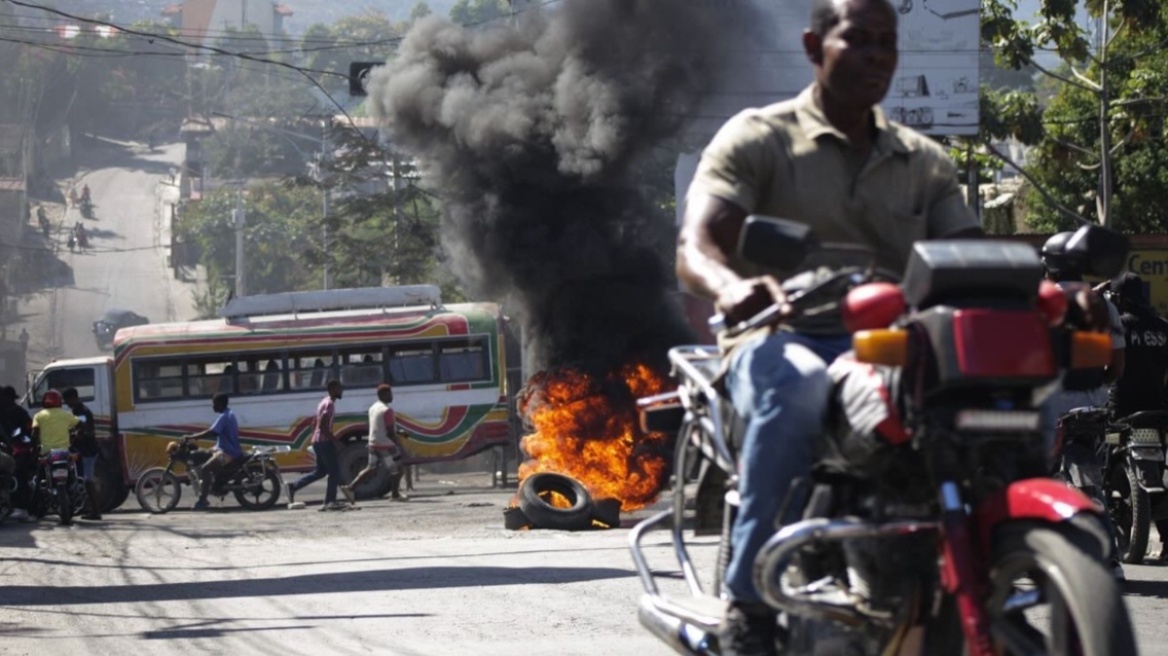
785	160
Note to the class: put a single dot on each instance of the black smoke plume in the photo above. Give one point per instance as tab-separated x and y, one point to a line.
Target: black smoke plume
530	132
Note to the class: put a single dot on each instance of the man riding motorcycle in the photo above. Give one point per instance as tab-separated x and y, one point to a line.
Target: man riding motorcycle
830	159
15	419
1081	388
1145	375
227	448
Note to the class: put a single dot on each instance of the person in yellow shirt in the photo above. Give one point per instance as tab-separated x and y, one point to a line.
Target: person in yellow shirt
51	426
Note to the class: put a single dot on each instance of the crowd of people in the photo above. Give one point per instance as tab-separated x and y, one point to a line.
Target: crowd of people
64	422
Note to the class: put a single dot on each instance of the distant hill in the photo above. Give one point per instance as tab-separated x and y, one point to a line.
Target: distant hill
309	12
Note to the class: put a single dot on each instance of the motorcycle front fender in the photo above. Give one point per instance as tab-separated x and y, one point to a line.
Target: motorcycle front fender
1042	499
1149	473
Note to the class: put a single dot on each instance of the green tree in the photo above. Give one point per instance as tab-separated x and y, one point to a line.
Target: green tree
420	10
279	229
473	12
369	36
1103	109
378	231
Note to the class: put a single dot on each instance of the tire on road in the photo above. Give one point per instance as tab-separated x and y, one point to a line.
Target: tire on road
158	491
354	457
114	491
1131	514
264	496
533	502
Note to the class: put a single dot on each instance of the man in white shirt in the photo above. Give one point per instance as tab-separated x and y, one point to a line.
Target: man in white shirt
383	450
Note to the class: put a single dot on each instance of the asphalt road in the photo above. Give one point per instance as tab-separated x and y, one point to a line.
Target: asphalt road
435	576
124	265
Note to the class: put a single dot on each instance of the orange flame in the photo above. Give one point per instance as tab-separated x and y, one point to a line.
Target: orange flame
588	429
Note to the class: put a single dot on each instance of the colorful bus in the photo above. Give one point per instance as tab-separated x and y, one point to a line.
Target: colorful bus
274	354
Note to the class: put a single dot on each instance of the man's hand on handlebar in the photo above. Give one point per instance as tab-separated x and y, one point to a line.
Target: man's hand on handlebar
742	300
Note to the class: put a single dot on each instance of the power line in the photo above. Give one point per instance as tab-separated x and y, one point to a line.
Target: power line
160	37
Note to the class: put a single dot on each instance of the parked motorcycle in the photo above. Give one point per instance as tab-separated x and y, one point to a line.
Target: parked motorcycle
254	479
56	487
1078	448
929	525
1134	479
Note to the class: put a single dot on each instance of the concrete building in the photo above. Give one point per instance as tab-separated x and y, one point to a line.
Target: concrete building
207	20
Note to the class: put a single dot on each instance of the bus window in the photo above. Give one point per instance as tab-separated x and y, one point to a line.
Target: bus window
309	370
411	364
462	360
273	380
58	379
259	373
209	376
156	380
362	367
61	378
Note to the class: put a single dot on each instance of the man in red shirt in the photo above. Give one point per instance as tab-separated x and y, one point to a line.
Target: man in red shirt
324	444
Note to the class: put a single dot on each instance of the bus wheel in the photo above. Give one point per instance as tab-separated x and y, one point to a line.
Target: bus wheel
114	490
354	457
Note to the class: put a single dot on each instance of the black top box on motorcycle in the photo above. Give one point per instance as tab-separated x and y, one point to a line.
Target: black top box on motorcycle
942	270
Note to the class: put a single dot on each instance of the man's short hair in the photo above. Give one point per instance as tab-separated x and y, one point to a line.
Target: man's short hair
384	387
69	394
332	382
221	397
8	392
826	14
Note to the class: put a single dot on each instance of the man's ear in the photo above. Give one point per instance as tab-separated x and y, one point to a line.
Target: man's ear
813	46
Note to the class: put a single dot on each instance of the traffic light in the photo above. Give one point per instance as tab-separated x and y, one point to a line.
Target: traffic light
358	73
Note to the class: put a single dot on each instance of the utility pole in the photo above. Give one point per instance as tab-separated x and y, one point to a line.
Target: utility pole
240	221
321	178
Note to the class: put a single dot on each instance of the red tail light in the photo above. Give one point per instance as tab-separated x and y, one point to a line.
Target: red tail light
1003	344
872	306
993	343
1052	303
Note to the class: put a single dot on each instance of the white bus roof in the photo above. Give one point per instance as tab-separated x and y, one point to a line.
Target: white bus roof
78	362
332	299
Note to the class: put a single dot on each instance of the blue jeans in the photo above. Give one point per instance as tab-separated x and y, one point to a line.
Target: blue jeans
779	385
326	465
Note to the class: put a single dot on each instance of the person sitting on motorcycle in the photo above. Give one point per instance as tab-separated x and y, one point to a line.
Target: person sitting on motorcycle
15	420
1145	373
227	449
52	425
1081	387
830	159
85	442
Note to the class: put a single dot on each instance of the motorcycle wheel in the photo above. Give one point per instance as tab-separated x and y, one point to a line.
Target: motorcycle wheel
1051	591
158	491
1130	510
64	505
261	495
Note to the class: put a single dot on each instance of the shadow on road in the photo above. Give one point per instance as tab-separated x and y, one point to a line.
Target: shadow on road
417	578
1153	589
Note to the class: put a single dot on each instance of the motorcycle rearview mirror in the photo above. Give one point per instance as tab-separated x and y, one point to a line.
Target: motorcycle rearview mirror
1104	251
775	243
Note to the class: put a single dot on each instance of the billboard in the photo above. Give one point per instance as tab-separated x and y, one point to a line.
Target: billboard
1151	264
935	89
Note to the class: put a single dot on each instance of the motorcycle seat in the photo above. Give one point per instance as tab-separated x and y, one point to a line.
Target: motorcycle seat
1147	419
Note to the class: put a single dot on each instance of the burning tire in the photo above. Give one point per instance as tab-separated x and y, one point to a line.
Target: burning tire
538	496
